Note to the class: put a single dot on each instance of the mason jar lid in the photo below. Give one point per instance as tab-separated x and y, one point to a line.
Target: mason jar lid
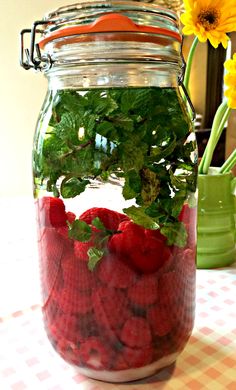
63	35
96	17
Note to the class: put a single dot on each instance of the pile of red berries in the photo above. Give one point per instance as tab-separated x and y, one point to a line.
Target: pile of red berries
134	307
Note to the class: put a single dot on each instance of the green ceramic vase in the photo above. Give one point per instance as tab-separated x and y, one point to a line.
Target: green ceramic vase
216	219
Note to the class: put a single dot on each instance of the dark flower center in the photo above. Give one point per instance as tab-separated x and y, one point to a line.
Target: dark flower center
209	18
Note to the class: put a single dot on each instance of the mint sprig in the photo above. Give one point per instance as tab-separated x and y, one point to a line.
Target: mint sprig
138	134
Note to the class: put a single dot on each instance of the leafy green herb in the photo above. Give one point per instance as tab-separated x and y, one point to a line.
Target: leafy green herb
95	255
141	135
80	230
138	215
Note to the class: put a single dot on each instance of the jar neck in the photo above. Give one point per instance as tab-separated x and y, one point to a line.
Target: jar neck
112	75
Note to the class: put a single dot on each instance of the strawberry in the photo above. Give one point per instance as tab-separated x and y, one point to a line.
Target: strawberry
145	249
51	212
109	218
144	292
113	272
136	333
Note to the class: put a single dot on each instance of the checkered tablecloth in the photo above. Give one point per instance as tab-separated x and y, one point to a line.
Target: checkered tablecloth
28	362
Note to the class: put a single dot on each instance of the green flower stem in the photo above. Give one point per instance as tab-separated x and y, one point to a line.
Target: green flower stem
229	163
218	125
189	63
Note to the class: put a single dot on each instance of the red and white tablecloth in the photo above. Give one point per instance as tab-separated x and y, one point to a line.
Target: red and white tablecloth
28	362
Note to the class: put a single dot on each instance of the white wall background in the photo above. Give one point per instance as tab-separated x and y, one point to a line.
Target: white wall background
21	95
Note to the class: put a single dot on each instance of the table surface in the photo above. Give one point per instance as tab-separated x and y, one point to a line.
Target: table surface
28	362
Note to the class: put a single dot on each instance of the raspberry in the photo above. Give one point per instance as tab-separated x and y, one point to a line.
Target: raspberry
186	264
159	320
136	333
145	249
66	326
70	216
76	274
94	354
129	237
51	212
71	301
109	218
144	292
115	273
50	249
88	326
169	289
63	230
110	309
81	248
135	357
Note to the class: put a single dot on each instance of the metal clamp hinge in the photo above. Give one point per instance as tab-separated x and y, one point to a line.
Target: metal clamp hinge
32	57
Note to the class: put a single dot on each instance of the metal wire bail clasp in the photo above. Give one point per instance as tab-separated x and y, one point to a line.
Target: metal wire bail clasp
181	83
32	58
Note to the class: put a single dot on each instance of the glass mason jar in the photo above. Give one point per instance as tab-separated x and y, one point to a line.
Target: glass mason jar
114	172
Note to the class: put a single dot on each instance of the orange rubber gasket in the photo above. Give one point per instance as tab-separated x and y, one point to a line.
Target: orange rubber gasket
109	23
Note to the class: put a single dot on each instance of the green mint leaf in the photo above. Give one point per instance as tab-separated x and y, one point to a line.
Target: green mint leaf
101	103
95	255
107	129
138	215
132	155
80	230
176	234
98	224
73	187
123	122
132	186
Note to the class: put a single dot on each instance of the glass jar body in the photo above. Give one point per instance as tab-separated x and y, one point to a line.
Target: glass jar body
115	167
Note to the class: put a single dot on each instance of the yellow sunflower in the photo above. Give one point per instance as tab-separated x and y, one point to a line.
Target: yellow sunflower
209	19
230	81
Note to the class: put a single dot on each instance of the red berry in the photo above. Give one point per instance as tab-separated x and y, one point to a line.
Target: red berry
66	327
51	212
136	333
170	289
50	249
129	237
109	218
70	216
113	272
144	292
94	354
110	309
81	248
159	320
135	357
76	274
145	249
72	301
